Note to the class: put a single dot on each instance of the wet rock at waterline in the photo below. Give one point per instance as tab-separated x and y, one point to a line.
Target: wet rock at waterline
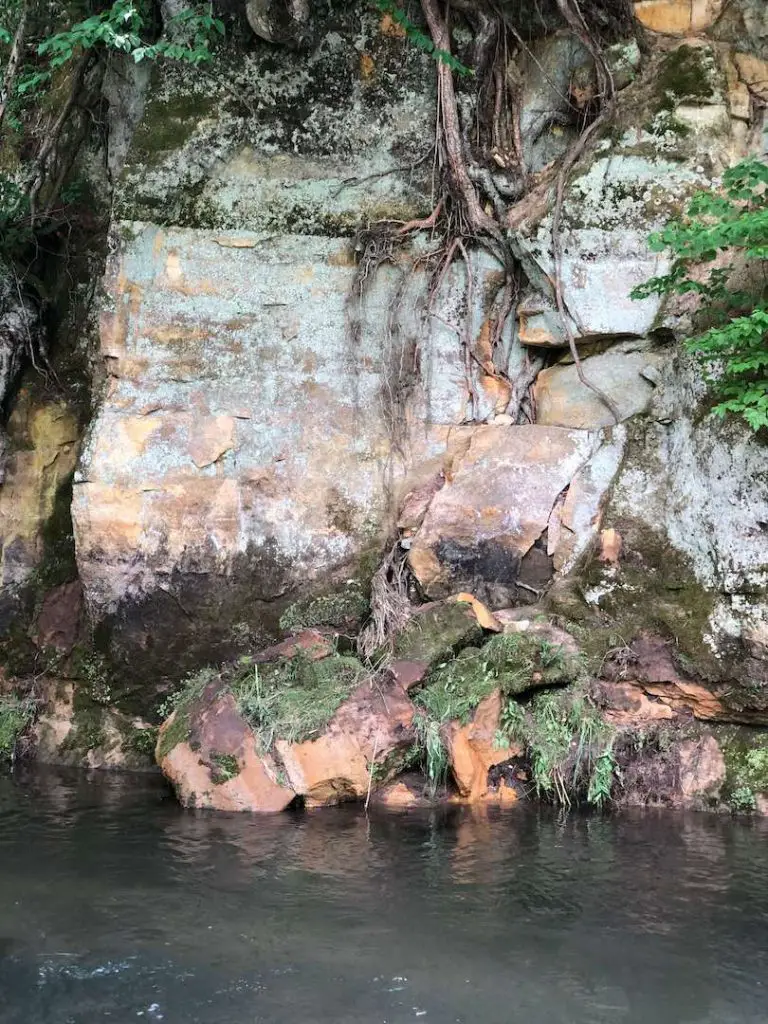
208	753
216	755
474	749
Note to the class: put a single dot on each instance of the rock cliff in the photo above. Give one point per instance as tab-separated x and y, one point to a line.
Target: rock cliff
303	371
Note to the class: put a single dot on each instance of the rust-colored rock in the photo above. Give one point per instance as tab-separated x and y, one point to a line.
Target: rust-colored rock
610	546
368	730
649	671
215	764
482	613
402	793
488	517
678	17
473	752
628	705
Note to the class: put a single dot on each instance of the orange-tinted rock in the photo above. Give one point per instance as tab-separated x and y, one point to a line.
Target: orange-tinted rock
487	518
627	704
610	546
485	618
678	17
754	73
216	763
403	792
472	749
367	730
650	672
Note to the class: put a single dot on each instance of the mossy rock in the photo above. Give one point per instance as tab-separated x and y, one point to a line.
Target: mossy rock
654	590
436	632
342	609
686	74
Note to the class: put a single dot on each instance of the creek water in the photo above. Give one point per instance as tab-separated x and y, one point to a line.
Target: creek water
118	906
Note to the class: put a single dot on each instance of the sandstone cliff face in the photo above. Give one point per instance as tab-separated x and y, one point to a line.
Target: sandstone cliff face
286	390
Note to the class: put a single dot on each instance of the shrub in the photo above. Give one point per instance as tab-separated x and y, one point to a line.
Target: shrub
569	745
733	350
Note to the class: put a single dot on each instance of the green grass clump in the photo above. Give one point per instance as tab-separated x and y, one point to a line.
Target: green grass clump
569	745
512	663
294	699
16	713
746	763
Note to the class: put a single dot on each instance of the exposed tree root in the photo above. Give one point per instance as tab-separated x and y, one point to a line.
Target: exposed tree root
390	606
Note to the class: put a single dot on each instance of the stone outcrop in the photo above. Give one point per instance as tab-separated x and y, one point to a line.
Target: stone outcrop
487	529
473	750
215	763
214	756
290	389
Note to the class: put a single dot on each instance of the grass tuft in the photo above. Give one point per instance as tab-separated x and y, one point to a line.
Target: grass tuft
569	745
511	663
294	699
16	714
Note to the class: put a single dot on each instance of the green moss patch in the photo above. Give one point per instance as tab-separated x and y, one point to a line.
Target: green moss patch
224	768
655	591
686	74
438	632
168	124
343	608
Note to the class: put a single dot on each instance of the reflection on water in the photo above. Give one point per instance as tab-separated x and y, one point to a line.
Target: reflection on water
118	906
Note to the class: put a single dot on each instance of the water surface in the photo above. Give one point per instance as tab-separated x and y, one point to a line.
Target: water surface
115	905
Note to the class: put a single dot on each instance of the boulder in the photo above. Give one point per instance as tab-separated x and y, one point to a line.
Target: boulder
625	373
404	792
208	752
74	730
434	632
485	530
360	745
473	751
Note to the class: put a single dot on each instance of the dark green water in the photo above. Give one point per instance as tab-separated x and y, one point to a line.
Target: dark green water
117	906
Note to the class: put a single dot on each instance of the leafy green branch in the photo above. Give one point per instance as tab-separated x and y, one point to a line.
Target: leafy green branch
419	39
122	27
722	238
